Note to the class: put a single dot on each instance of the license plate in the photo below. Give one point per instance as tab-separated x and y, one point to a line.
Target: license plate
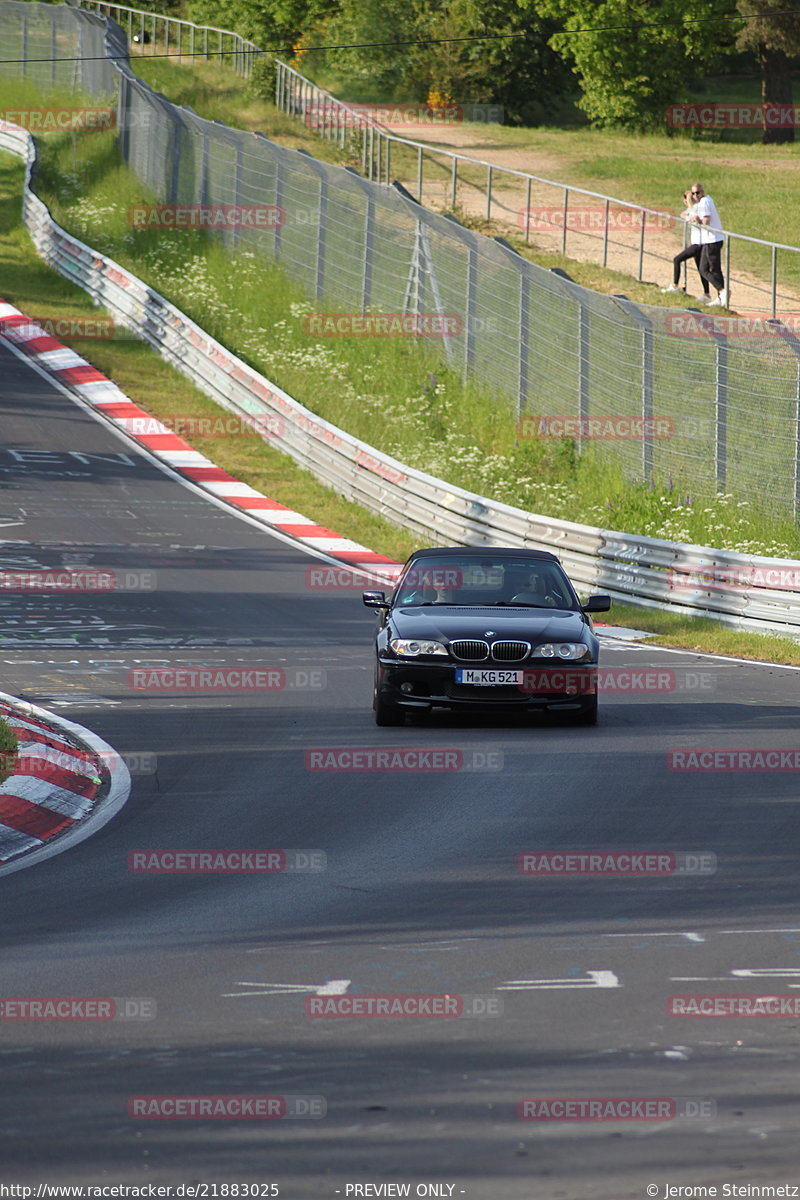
488	678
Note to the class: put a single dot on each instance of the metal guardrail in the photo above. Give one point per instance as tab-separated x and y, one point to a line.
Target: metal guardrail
531	339
647	570
165	34
298	96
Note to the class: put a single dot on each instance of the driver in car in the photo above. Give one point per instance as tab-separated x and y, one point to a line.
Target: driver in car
535	592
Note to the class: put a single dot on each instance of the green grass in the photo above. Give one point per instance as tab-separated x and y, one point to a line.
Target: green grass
394	393
703	635
161	390
8	749
219	94
755	186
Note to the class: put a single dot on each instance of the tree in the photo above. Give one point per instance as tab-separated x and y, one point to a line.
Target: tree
269	23
523	74
776	39
637	56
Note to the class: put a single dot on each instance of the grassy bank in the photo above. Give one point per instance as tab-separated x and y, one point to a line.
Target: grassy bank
396	393
8	749
260	316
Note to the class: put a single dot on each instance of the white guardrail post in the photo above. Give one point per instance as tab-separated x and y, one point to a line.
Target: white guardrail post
689	579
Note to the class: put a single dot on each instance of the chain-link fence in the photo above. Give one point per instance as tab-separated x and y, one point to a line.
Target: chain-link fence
715	403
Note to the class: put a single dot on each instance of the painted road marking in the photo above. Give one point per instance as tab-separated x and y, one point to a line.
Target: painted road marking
597	979
333	987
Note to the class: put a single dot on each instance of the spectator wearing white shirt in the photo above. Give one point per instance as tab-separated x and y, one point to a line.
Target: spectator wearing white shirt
692	251
711	239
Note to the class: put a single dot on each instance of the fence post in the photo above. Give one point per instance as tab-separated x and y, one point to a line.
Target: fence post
641	246
728	262
605	236
276	245
774	279
419	175
565	217
319	171
237	188
797	444
793	342
721	410
488	193
528	213
454	182
369	239
524	323
574	292
648	381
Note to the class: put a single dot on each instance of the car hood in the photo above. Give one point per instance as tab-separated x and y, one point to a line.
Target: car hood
445	622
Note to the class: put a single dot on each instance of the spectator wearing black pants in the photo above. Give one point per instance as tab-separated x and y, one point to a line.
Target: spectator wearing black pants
707	219
692	251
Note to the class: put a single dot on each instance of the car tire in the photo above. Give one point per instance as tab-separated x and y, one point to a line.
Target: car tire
587	716
387	714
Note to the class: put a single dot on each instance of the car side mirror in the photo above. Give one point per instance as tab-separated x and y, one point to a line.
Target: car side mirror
597	604
375	600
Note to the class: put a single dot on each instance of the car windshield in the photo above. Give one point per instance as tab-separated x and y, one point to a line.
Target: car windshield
521	583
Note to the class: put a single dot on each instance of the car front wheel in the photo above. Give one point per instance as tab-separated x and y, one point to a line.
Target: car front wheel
387	714
587	716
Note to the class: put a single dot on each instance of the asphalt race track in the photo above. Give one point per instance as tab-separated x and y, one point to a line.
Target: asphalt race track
422	891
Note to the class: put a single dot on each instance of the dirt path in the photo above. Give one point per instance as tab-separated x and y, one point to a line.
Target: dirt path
586	216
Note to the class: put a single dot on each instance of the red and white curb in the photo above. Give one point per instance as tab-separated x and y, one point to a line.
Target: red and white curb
54	799
94	388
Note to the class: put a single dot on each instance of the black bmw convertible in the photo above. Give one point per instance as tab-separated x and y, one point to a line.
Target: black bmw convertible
485	629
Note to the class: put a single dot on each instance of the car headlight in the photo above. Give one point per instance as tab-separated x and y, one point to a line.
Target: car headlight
564	650
411	648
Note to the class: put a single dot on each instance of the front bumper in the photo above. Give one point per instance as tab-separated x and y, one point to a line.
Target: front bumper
545	687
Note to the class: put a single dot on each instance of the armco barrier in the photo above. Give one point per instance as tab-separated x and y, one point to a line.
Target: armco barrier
522	334
625	565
